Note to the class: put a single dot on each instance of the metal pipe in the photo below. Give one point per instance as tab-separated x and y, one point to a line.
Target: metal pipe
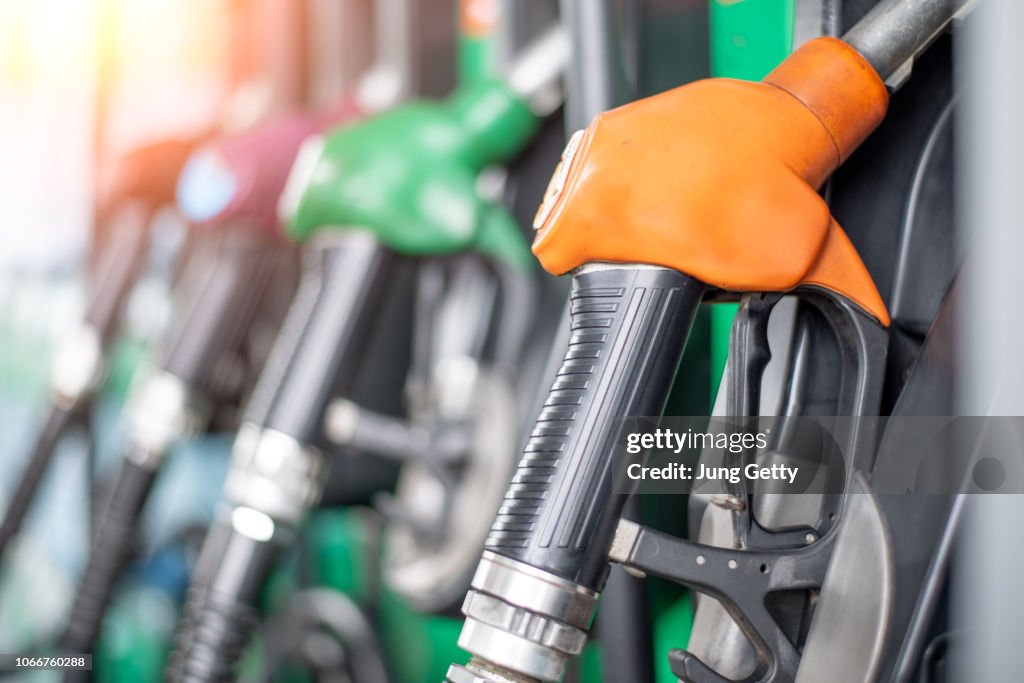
392	78
536	73
895	32
592	81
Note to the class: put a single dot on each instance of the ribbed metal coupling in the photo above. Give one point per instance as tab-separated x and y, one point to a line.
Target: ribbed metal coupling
523	621
273	473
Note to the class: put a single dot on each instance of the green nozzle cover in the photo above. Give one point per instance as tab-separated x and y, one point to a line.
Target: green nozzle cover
410	174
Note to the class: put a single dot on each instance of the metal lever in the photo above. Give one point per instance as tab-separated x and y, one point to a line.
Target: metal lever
741	579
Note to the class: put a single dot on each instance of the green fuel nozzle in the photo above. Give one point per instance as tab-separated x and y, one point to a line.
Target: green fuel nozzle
410	174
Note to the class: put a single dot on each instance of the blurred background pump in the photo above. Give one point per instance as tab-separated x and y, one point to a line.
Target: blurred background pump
181	71
256	65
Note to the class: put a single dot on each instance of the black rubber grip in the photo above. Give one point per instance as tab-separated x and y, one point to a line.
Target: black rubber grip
322	343
112	545
222	614
42	453
629	327
223	285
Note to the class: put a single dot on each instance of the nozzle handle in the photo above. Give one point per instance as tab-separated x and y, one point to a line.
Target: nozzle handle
629	327
225	281
319	349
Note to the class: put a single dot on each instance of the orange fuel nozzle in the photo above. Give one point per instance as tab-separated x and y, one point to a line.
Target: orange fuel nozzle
718	179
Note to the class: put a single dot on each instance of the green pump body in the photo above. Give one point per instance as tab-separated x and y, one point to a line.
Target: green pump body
410	176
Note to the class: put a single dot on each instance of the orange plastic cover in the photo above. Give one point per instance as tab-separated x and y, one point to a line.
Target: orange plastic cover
718	179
